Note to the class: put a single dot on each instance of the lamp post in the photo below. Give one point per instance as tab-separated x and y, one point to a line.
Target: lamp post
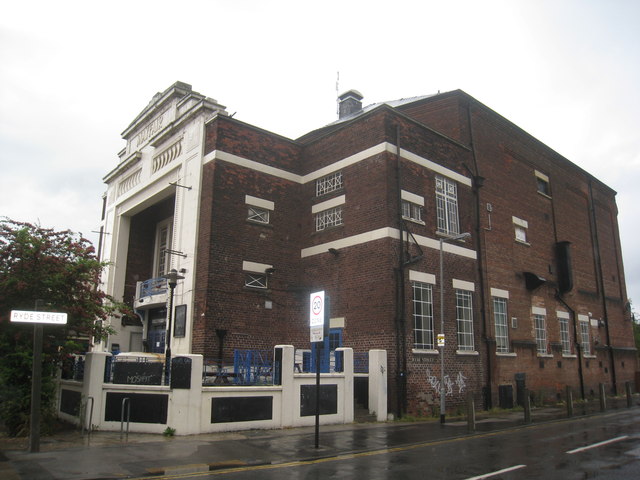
172	279
460	236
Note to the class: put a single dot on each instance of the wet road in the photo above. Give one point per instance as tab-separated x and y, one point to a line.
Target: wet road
602	447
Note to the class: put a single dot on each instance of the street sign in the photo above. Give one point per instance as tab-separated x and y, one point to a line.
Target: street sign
38	317
316	312
441	339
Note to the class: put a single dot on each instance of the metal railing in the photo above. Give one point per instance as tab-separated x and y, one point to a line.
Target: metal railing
252	367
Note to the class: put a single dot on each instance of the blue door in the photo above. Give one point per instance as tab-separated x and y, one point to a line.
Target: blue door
327	348
157	330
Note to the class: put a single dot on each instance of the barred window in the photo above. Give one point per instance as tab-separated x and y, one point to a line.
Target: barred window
328	184
541	333
257	214
255	280
500	320
422	316
464	315
447	206
329	218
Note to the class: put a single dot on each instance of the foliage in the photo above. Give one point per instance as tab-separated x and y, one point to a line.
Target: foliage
61	271
169	432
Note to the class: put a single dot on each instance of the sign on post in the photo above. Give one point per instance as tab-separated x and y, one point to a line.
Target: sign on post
38	317
316	316
441	339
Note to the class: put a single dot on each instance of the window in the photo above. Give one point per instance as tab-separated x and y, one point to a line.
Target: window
584	335
258	209
163	243
328	184
411	211
257	214
447	206
542	182
329	218
255	280
565	339
464	315
412	206
501	325
541	333
520	227
422	316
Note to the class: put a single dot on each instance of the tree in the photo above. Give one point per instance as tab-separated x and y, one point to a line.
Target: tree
59	269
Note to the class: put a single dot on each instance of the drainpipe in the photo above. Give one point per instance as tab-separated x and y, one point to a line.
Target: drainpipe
477	183
401	353
598	261
576	342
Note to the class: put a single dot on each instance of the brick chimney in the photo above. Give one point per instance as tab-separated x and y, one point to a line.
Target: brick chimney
349	102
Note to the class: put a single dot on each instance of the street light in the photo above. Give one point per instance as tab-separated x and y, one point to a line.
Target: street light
172	279
460	236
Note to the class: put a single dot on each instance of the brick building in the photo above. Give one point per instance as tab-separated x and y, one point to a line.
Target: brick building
368	209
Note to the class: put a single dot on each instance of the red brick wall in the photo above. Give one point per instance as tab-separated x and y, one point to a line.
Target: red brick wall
361	280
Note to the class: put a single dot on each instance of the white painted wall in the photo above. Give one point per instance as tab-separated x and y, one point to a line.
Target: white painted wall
189	410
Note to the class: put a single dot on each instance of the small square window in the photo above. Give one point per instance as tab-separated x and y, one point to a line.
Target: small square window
411	211
329	184
255	280
542	182
329	218
543	187
257	214
520	227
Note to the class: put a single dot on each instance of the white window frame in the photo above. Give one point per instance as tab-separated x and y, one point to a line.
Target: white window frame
585	340
331	217
256	280
447	206
565	336
520	228
257	214
423	316
411	211
464	320
540	330
501	323
255	274
329	183
412	206
258	209
163	242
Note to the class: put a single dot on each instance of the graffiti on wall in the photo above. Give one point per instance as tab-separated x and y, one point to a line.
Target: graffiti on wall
458	383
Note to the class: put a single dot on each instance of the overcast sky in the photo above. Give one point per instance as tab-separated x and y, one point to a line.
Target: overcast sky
73	75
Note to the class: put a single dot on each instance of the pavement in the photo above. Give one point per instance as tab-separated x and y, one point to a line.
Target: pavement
72	455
